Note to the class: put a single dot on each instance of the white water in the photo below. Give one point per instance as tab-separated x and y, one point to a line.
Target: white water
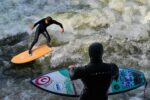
18	15
123	26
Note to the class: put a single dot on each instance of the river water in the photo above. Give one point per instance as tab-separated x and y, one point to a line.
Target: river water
122	26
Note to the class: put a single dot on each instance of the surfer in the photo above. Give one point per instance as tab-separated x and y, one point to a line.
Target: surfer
96	76
41	29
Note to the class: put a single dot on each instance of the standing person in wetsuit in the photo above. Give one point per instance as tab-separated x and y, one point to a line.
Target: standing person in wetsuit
41	29
96	76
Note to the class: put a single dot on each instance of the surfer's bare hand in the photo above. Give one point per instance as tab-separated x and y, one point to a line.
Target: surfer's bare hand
62	30
72	66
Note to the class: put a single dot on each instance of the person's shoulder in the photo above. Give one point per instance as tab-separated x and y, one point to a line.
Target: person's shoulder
53	20
109	64
112	65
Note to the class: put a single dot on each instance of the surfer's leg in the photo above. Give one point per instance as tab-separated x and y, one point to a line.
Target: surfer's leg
46	35
37	33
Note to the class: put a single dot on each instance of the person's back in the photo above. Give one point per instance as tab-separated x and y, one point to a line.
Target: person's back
96	76
97	80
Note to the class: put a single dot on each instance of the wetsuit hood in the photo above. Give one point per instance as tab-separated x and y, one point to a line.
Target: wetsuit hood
96	52
49	18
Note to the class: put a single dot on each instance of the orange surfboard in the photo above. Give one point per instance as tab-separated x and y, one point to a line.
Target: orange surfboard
37	52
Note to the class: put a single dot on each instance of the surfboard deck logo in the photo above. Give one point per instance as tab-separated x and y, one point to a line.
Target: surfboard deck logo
59	82
42	80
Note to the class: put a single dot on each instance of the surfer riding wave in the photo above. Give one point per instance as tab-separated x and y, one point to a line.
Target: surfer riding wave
41	29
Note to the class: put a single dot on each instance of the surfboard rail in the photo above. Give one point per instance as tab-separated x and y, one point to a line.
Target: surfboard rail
61	84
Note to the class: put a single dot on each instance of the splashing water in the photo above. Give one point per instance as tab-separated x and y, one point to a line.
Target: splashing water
122	26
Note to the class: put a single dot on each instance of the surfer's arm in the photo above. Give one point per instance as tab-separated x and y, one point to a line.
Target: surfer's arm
115	72
57	23
77	72
37	23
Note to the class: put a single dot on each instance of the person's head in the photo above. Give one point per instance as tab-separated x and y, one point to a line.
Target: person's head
48	19
96	51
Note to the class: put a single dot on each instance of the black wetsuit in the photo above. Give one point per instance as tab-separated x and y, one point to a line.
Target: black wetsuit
96	77
41	29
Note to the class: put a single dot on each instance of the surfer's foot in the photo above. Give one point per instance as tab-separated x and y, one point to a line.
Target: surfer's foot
30	53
